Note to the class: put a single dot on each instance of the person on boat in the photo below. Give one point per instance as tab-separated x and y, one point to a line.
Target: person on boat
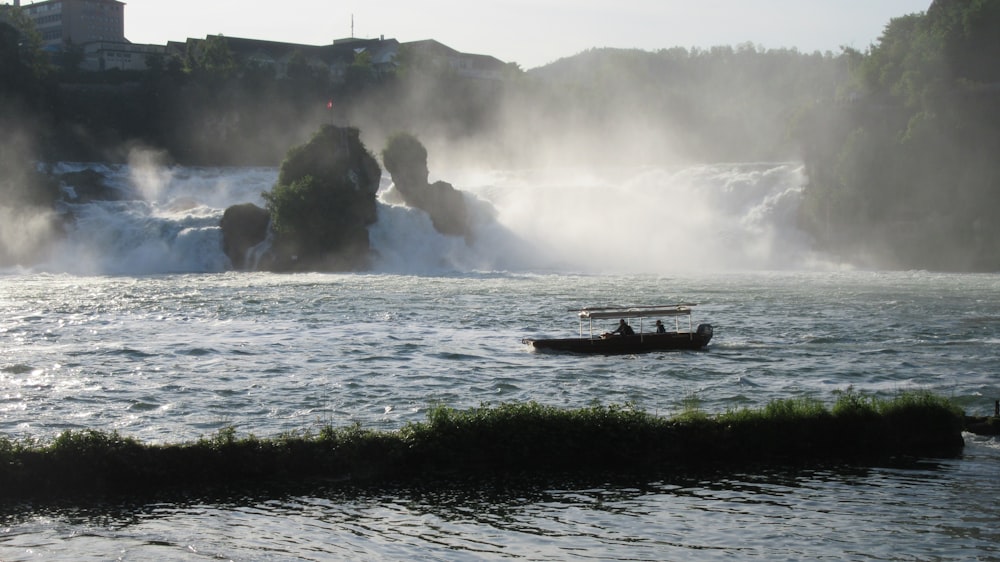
623	329
659	328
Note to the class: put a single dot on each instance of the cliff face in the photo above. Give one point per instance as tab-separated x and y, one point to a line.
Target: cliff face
319	210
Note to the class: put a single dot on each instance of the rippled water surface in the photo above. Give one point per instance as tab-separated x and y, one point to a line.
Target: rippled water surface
171	358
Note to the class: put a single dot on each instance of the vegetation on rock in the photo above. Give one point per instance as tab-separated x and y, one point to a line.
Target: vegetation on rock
323	203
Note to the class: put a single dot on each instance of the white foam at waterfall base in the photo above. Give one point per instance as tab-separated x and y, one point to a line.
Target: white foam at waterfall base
167	221
404	241
135	237
654	220
644	220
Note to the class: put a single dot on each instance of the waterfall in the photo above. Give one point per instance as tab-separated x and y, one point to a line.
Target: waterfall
643	220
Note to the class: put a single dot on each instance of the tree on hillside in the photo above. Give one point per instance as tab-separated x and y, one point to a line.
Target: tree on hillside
215	58
23	64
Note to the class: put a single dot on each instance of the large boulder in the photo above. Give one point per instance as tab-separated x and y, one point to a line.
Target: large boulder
320	209
405	159
244	227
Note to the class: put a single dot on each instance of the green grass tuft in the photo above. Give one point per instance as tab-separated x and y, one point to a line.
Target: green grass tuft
526	438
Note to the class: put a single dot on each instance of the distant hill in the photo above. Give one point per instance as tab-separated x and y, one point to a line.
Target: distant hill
724	103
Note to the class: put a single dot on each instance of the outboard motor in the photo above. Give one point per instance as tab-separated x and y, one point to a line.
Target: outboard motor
705	331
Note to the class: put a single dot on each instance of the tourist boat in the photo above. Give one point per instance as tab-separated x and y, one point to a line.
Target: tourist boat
643	340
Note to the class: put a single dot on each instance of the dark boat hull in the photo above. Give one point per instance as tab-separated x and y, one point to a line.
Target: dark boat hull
640	343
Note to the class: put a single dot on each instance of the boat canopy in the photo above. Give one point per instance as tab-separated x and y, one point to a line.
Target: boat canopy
598	313
640	312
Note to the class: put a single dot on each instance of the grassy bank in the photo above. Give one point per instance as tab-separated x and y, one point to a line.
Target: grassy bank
492	441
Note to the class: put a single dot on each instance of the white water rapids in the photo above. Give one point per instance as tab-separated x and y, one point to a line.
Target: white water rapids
640	220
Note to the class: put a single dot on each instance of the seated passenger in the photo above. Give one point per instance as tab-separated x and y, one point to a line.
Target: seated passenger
623	329
659	328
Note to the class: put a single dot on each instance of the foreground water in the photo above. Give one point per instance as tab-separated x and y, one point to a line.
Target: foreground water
169	358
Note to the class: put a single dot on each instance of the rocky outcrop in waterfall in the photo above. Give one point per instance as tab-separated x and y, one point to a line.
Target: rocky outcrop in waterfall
405	158
244	228
319	210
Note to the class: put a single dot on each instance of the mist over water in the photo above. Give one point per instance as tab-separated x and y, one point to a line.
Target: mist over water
658	220
624	220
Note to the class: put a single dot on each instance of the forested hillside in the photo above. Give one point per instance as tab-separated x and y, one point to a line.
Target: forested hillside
904	169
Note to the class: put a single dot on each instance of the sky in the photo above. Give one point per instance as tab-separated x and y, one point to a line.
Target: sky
530	33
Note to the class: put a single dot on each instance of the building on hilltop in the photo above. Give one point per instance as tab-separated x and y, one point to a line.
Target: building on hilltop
97	27
381	54
77	22
335	59
278	57
109	55
443	58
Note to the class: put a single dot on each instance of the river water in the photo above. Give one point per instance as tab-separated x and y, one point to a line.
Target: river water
148	335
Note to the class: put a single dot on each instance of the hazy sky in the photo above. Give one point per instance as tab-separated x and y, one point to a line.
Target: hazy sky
529	32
